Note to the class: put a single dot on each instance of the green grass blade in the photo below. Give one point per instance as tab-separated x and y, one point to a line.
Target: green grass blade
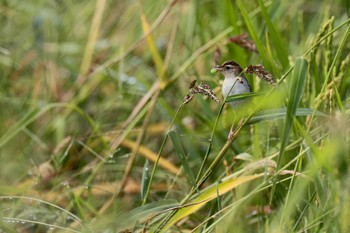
181	153
233	98
296	90
277	41
275	114
255	37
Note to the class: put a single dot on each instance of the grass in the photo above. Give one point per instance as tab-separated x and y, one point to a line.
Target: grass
100	131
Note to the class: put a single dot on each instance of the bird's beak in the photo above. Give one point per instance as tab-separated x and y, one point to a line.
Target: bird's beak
216	69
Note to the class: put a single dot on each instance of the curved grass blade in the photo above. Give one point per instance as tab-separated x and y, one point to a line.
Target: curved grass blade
275	114
238	97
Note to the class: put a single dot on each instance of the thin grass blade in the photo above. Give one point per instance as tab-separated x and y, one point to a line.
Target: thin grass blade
275	114
238	97
145	179
181	153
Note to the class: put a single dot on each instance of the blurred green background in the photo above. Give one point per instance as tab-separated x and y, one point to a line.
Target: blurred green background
90	90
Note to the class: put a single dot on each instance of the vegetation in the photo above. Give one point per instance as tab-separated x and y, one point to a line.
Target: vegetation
110	121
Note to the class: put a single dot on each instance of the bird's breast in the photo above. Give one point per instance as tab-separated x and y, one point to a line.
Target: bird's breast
234	86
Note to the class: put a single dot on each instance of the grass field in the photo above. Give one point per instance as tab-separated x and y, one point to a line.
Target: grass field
103	127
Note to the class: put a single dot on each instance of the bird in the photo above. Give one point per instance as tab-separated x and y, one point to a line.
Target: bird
234	83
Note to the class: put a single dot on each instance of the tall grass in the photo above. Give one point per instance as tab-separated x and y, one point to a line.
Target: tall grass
98	134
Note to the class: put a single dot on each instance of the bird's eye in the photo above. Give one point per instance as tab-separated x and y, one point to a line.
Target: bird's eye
227	67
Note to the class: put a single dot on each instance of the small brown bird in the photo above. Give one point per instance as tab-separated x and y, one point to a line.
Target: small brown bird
234	83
